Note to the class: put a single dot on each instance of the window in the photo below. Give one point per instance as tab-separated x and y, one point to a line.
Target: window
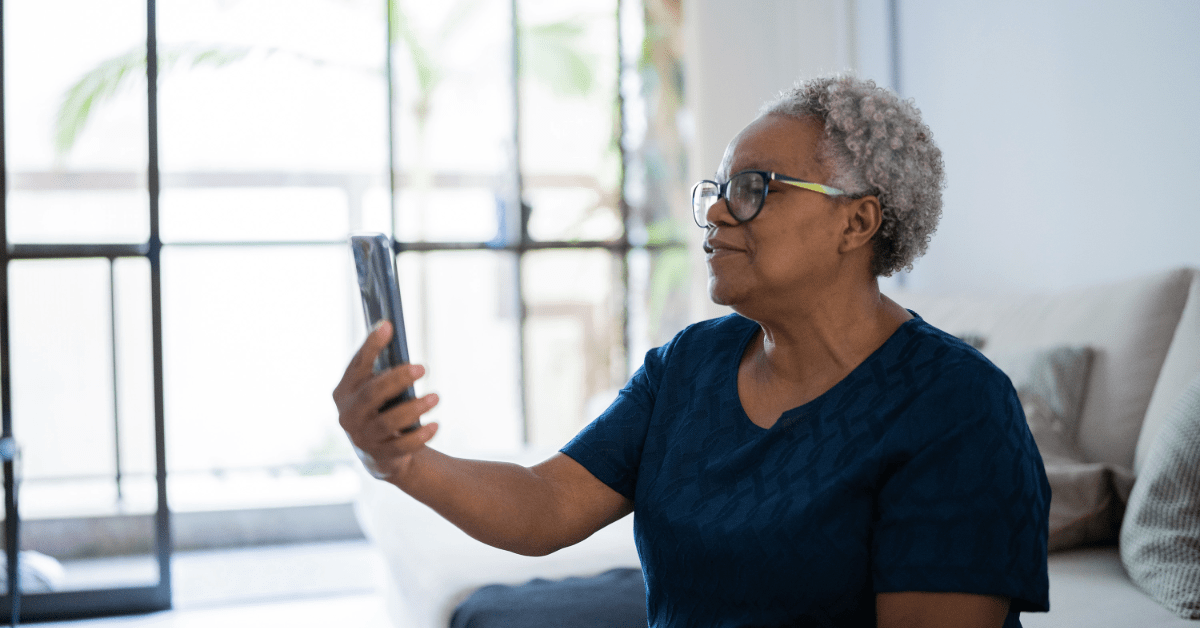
189	324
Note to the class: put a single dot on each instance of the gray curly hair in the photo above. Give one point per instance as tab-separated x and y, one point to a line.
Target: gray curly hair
876	145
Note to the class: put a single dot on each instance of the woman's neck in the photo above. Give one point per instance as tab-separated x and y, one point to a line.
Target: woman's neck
796	358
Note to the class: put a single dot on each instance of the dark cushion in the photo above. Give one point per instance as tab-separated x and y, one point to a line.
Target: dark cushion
613	599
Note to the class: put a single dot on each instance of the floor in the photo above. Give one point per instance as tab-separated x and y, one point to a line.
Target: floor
365	611
325	584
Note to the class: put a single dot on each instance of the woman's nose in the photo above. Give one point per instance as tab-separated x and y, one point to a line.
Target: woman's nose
718	213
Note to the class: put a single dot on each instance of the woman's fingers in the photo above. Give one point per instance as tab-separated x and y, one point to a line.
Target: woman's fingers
392	424
363	404
390	383
387	439
389	448
370	429
361	365
405	417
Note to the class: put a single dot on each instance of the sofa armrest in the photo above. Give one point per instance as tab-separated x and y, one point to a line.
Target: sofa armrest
432	565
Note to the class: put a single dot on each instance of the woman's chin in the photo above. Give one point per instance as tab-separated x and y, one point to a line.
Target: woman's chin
720	293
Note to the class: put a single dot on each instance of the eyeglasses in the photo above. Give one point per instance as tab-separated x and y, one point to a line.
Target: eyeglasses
745	193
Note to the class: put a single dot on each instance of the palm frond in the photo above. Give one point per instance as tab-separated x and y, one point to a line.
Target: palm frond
93	88
552	53
429	74
102	82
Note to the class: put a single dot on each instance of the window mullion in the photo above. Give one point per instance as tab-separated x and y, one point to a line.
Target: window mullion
517	201
162	515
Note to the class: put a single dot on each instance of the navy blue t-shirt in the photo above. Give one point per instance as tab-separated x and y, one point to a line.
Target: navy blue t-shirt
917	472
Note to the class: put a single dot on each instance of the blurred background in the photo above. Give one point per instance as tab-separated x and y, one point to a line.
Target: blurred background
513	149
533	160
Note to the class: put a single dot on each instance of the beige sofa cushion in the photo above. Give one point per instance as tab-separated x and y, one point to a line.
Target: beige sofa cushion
1181	365
1160	539
1089	589
1129	324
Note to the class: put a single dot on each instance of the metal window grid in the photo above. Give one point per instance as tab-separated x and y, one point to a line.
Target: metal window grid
92	603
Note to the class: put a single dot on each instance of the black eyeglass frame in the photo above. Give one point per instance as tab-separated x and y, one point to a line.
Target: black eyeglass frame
700	209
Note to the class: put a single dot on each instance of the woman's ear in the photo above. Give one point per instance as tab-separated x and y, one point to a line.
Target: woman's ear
863	218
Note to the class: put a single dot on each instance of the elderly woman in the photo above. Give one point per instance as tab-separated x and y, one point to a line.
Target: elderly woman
823	457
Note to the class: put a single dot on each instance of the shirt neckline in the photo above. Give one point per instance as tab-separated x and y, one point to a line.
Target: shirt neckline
754	328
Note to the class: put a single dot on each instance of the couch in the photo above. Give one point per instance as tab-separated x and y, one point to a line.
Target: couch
1144	334
1140	345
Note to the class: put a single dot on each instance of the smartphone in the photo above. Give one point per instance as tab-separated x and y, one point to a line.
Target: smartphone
376	269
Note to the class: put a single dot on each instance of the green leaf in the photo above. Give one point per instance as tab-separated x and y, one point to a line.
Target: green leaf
96	86
668	277
429	75
666	231
552	53
99	84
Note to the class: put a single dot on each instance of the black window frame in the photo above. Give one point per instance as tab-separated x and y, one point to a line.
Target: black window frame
128	600
94	602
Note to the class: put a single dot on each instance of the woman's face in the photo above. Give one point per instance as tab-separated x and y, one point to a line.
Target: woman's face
790	250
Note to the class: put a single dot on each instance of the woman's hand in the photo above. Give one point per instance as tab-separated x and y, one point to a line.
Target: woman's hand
382	435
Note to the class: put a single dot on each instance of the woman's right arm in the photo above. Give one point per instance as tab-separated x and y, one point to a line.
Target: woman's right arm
528	510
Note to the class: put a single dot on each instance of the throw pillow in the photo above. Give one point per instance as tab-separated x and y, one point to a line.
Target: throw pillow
1160	538
1051	384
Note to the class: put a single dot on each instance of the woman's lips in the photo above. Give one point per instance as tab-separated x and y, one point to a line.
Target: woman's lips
720	249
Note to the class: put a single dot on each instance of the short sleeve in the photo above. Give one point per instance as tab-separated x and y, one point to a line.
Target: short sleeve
610	447
965	507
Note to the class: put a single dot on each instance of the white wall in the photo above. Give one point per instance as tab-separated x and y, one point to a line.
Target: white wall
740	53
743	52
1068	127
1070	135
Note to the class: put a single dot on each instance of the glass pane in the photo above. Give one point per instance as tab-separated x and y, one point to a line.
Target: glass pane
62	382
569	124
85	502
75	110
255	339
657	187
254	213
135	385
461	312
573	340
658	293
451	215
269	132
452	66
